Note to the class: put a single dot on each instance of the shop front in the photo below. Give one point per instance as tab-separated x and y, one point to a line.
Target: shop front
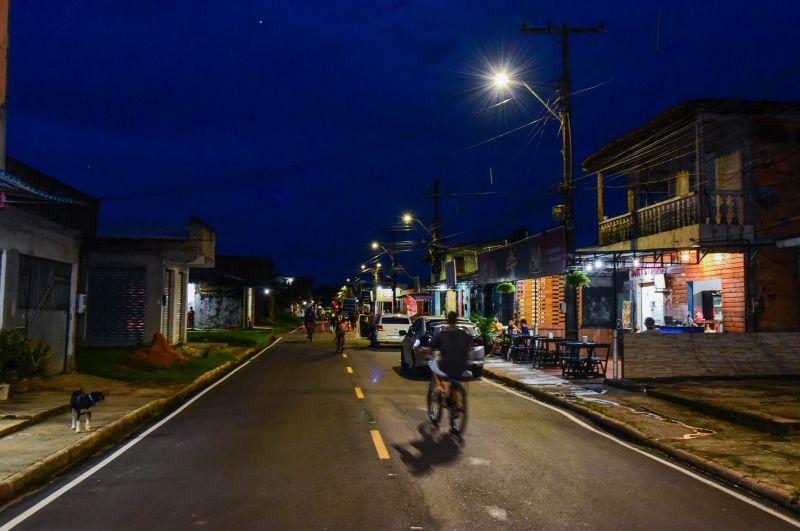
690	295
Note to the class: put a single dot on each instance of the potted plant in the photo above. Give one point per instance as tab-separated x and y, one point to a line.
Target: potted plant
576	279
485	326
506	287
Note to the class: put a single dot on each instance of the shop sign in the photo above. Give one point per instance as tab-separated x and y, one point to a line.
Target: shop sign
627	307
411	306
422	297
538	256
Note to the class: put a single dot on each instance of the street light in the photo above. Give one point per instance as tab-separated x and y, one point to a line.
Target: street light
501	81
375	246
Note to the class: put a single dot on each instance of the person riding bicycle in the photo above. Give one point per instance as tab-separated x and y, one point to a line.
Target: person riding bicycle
309	319
341	331
454	344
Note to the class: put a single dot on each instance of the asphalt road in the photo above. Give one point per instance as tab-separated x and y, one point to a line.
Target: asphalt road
286	443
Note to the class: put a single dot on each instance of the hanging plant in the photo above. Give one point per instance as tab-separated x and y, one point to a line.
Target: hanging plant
506	287
576	279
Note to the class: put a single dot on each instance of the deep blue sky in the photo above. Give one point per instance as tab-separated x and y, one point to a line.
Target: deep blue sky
299	129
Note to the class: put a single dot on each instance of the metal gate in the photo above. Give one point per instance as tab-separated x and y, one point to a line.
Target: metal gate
165	305
179	310
115	307
43	305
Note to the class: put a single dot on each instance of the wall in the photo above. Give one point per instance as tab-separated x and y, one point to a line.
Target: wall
217	306
775	273
539	302
709	355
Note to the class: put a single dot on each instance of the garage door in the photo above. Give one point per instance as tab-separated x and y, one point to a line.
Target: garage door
115	307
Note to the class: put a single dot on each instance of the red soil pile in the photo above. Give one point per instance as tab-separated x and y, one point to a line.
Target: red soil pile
159	354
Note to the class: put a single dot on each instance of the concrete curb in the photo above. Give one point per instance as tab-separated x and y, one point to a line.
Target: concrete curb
39	417
40	472
733	477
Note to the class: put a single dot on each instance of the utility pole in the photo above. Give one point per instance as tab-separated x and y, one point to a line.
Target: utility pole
436	264
566	134
394	272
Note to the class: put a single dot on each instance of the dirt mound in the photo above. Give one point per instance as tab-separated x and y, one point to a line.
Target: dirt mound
158	354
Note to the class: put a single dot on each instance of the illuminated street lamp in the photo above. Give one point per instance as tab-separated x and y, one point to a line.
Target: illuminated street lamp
375	246
502	81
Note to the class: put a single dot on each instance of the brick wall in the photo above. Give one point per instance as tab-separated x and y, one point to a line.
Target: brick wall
706	355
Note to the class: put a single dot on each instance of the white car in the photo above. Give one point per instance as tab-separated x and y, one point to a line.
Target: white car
388	327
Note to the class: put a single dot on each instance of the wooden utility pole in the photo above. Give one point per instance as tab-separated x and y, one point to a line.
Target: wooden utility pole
565	94
436	263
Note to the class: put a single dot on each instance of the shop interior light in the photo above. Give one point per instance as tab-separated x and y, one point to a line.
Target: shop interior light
588	268
636	262
598	264
266	291
685	256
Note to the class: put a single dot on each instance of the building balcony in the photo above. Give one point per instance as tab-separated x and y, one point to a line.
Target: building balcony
719	208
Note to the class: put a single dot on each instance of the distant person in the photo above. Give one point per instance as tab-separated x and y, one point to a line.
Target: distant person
190	318
650	326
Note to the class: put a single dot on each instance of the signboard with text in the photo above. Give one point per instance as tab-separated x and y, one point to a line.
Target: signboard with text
538	256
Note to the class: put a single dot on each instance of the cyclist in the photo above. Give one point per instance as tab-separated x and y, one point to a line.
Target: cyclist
341	331
454	344
309	322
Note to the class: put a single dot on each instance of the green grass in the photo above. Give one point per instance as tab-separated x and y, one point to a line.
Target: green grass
114	363
235	338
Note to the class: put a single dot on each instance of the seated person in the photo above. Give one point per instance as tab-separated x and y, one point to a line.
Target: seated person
523	328
512	328
650	326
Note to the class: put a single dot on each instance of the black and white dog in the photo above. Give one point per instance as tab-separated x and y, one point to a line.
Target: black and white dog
82	403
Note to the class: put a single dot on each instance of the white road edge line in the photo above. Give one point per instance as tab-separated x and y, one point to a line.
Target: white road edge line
653	457
63	490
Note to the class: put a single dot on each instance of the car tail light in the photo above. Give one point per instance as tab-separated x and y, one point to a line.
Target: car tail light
380	328
477	342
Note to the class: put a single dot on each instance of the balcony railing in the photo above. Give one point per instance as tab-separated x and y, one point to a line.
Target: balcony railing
718	208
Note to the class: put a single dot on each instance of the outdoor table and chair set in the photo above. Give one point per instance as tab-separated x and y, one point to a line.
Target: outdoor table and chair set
574	358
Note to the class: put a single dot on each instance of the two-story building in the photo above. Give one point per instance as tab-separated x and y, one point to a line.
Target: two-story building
710	188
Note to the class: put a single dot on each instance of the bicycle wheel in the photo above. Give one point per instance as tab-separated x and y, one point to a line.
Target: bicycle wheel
458	409
434	403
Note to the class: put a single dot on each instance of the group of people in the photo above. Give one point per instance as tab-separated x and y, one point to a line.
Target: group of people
515	327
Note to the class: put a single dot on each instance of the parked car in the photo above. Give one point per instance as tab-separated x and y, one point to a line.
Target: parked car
421	333
388	328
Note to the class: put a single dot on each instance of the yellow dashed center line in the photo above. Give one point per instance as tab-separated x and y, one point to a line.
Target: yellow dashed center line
349	370
359	393
344	355
379	446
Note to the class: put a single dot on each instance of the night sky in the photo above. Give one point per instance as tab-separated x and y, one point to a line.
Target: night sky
298	129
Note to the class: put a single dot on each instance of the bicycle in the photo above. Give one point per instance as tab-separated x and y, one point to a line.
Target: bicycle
454	400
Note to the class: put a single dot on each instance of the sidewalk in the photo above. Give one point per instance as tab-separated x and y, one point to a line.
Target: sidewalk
764	463
36	441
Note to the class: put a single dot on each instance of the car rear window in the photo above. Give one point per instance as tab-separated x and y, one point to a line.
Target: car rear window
470	329
395	320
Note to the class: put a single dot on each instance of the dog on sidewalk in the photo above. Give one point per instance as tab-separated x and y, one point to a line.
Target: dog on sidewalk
82	404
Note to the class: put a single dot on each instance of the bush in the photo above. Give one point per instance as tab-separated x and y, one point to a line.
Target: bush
21	357
485	326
